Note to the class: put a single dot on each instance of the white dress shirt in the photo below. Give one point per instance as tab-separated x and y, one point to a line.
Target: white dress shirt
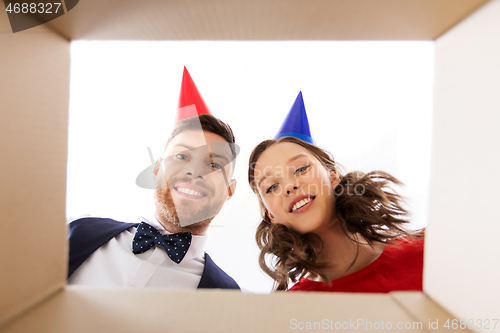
114	264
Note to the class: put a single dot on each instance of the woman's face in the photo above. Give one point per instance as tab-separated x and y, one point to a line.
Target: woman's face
296	189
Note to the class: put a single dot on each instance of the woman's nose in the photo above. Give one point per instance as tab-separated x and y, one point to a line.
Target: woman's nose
291	188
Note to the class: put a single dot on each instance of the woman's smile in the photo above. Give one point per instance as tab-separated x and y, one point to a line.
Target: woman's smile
301	204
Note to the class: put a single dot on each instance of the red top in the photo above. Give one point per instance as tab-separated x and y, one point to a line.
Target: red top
399	267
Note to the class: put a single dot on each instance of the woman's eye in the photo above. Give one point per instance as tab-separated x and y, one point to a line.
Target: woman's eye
181	156
271	188
302	169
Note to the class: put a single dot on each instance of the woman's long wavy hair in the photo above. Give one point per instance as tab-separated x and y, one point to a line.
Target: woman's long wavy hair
376	215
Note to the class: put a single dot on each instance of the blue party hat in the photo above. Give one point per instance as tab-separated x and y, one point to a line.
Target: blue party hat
296	123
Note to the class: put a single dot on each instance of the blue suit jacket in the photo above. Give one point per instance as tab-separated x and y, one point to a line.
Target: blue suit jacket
88	234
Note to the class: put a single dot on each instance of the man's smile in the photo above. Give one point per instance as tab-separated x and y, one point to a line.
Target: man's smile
189	191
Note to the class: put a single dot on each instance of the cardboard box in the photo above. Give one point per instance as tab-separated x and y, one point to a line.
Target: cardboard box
461	265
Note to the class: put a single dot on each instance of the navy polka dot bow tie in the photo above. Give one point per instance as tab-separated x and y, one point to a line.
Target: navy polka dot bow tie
176	245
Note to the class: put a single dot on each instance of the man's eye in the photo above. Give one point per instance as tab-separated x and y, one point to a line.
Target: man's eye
271	188
216	166
302	169
181	156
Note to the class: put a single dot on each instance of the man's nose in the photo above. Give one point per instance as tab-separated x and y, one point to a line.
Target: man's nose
198	170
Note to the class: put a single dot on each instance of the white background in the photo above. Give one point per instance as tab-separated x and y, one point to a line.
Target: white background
369	103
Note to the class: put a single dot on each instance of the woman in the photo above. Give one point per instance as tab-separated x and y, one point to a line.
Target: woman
331	231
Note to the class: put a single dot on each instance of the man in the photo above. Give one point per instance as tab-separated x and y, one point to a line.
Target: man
191	185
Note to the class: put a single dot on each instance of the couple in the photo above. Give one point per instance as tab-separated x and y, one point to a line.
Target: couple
327	230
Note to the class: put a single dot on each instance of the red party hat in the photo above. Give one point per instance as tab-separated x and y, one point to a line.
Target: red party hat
191	104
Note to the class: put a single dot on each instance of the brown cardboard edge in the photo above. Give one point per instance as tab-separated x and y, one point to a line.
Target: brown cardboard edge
459	20
39	29
421	307
13	310
69	34
15	313
83	309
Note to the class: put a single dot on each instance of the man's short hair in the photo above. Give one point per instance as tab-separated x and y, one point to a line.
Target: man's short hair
209	124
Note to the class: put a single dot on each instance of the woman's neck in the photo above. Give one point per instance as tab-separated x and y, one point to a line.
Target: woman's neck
344	255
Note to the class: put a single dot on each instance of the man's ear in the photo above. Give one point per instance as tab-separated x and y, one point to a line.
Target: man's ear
231	189
157	166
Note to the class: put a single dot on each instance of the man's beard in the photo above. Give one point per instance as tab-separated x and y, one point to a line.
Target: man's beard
165	207
181	213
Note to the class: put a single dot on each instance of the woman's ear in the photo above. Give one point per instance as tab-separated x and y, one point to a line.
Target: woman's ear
334	178
271	217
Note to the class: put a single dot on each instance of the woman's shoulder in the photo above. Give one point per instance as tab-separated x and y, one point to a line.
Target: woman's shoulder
399	267
414	240
403	255
308	285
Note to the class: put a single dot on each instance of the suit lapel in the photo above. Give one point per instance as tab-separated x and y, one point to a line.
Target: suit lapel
214	277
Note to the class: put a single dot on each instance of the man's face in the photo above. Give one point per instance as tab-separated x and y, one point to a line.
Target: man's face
193	179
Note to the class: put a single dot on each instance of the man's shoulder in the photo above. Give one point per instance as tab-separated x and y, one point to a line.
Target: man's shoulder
92	222
88	234
97	226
